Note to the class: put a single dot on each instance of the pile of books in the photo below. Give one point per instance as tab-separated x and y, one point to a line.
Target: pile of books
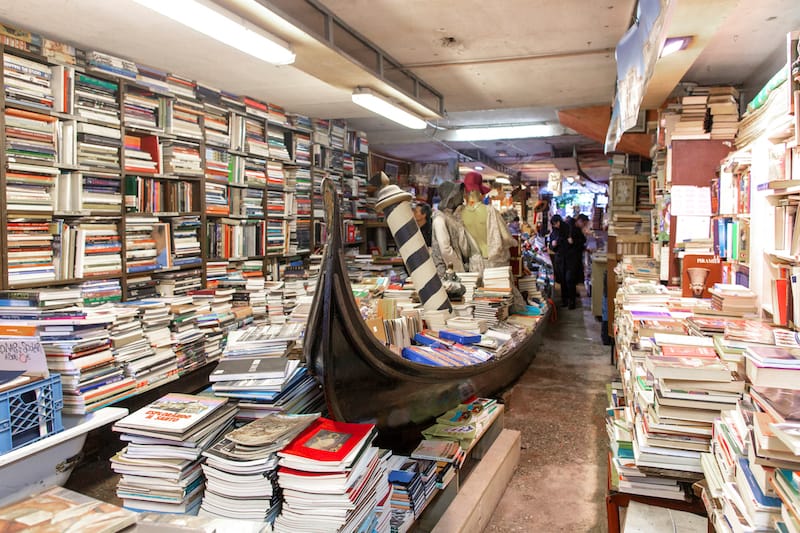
242	469
734	300
161	466
469	280
332	479
413	486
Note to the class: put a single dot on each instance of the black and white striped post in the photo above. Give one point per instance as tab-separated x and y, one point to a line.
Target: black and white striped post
396	206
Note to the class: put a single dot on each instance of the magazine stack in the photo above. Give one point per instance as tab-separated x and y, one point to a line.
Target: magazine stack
333	479
242	469
160	466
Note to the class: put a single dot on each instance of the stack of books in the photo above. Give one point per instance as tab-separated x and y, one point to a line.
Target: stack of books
182	158
412	489
277	144
492	304
497	278
242	469
160	467
695	120
141	109
724	110
254	173
469	280
186	114
27	82
78	346
332	478
733	300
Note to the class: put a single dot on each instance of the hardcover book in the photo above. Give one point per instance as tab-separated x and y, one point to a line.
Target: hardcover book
173	413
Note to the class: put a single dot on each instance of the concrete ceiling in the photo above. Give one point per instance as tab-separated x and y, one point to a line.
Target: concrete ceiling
506	62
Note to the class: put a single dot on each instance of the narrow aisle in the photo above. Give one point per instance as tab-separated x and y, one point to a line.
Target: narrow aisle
558	406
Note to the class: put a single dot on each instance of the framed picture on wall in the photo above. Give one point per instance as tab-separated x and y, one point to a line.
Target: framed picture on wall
391	170
623	193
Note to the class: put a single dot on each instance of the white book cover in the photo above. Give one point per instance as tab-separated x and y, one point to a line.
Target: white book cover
174	413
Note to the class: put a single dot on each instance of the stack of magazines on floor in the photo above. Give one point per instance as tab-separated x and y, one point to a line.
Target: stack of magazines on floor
333	479
160	466
725	397
242	469
433	463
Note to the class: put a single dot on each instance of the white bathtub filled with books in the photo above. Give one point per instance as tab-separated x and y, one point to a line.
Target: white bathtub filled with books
50	461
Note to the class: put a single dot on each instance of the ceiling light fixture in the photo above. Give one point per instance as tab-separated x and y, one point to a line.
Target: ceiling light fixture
674	44
217	23
519	131
503	181
382	106
478	167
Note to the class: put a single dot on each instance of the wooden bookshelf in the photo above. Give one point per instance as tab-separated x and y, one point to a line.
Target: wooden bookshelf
178	121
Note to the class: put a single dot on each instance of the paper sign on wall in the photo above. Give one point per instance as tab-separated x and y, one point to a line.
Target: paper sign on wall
690	200
22	352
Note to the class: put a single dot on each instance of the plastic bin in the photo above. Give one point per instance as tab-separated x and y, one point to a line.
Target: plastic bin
30	413
49	461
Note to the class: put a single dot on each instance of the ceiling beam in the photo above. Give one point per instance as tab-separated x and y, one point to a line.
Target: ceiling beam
699	19
593	122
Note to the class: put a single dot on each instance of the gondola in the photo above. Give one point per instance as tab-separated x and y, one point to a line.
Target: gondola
363	381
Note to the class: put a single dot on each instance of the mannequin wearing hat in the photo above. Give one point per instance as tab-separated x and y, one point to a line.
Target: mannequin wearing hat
484	223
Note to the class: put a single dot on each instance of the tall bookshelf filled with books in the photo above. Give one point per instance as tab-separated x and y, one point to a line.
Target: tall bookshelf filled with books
98	167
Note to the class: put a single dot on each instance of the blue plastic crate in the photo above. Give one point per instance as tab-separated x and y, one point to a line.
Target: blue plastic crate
30	412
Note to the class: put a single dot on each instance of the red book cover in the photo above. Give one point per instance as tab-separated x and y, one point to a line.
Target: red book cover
328	440
700	273
674	350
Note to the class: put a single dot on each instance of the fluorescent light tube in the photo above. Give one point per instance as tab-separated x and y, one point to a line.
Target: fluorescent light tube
503	181
377	104
225	27
521	131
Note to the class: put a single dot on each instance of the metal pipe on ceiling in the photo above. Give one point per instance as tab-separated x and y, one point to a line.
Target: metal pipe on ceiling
510	59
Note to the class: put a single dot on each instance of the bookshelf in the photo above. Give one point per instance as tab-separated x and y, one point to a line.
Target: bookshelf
235	177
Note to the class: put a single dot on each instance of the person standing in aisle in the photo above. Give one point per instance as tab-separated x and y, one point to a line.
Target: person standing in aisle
558	245
576	243
422	214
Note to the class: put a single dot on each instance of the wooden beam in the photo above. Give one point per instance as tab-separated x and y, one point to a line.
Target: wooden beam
477	498
592	122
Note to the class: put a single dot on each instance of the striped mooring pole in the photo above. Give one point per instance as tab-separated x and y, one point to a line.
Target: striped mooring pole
396	206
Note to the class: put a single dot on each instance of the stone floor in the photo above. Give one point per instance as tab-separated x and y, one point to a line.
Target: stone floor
557	405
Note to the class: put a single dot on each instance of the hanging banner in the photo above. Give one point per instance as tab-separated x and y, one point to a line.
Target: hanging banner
636	55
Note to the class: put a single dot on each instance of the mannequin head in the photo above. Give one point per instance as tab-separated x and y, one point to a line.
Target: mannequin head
451	195
474	187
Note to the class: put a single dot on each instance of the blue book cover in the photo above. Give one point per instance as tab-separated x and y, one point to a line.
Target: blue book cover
765	501
460	337
417	356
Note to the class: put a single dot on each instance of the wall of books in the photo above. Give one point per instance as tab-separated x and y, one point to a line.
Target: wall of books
189	210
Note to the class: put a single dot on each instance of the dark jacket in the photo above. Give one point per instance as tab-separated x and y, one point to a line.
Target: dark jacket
574	251
558	245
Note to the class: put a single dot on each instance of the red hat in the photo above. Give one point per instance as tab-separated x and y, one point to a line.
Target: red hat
473	181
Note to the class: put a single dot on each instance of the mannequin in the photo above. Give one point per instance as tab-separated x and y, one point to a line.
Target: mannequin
474	215
485	224
451	244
